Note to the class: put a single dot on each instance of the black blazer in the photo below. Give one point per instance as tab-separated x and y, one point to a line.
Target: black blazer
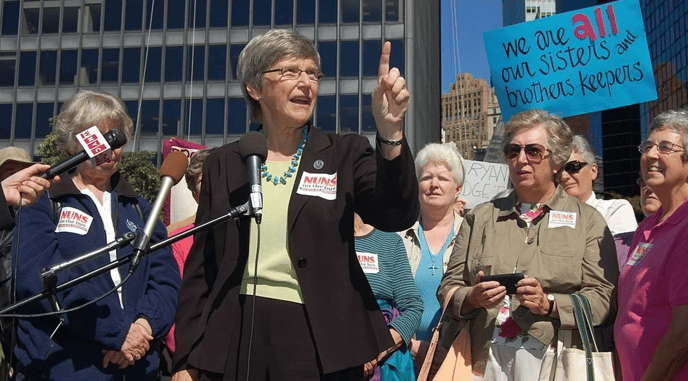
347	325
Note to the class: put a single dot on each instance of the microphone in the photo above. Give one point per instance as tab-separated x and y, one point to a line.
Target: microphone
113	139
171	171
253	148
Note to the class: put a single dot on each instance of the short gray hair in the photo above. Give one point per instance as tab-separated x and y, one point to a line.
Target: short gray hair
446	154
559	136
196	167
86	109
675	120
581	145
266	49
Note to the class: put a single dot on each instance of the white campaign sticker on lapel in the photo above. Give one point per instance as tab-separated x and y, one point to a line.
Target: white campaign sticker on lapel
368	262
559	219
322	185
73	221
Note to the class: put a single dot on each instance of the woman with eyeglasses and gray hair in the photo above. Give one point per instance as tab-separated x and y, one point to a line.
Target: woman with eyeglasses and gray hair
292	302
651	329
577	177
556	241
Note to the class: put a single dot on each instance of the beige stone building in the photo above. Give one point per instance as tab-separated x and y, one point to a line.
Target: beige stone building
470	113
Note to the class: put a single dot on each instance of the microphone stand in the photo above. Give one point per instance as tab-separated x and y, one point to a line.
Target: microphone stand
49	276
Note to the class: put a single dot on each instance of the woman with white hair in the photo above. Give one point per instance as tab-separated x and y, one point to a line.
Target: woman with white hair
430	241
577	177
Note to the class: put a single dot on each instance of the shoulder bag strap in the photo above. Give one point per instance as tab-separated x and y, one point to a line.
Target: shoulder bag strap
425	369
584	330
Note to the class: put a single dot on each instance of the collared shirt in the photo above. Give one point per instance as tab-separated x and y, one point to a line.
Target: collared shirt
618	213
567	248
652	282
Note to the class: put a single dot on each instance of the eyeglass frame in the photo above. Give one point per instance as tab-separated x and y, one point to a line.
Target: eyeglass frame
577	163
525	149
647	148
283	71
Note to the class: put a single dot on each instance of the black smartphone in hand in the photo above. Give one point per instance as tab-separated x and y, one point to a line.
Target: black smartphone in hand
507	280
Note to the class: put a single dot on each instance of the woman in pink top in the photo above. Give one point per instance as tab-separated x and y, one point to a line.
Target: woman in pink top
651	330
180	249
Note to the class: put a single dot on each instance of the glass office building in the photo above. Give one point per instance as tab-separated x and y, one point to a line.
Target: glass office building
173	62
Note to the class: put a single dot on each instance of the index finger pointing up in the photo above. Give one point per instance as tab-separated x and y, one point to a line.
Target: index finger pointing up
383	70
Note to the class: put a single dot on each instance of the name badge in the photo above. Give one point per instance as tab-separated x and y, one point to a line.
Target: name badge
321	185
368	262
559	219
639	253
73	220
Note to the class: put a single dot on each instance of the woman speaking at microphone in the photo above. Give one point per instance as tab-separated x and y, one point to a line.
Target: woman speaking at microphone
307	313
118	337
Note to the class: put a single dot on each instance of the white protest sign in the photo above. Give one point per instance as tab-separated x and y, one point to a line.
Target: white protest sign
482	181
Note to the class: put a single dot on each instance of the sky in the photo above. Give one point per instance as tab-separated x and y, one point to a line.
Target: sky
472	17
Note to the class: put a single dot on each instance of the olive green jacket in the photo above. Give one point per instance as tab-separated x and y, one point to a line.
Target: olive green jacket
579	256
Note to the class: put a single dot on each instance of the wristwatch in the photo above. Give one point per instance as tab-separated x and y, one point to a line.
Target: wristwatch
550	298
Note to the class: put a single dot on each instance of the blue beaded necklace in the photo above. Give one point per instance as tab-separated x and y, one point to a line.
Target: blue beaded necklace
292	168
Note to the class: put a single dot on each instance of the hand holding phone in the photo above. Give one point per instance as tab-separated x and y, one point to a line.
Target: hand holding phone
507	280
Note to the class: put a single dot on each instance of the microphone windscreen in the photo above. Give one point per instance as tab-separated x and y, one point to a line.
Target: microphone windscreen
253	143
115	138
174	166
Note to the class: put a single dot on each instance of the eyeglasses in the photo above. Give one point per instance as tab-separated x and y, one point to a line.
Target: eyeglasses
292	73
664	147
574	166
640	182
534	152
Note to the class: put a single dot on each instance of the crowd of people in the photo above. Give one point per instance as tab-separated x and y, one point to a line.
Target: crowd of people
345	275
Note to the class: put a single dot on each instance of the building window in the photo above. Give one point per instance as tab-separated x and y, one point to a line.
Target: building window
8	66
392	10
173	64
68	67
217	62
47	71
284	11
215	116
158	10
367	120
236	116
218	13
350	11
371	57
305	12
240	13
5	121
175	14
234	51
348	113
328	58
326	113
131	64
89	65
326	14
27	68
396	59
171	116
261	12
44	111
195	115
113	15
148	121
10	18
70	20
109	72
154	65
199	11
372	11
348	67
195	64
24	121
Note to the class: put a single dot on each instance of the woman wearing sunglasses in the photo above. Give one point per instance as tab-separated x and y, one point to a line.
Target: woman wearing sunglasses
577	177
651	330
559	243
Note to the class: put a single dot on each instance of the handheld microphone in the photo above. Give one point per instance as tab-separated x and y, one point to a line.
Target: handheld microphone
171	171
253	148
115	138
